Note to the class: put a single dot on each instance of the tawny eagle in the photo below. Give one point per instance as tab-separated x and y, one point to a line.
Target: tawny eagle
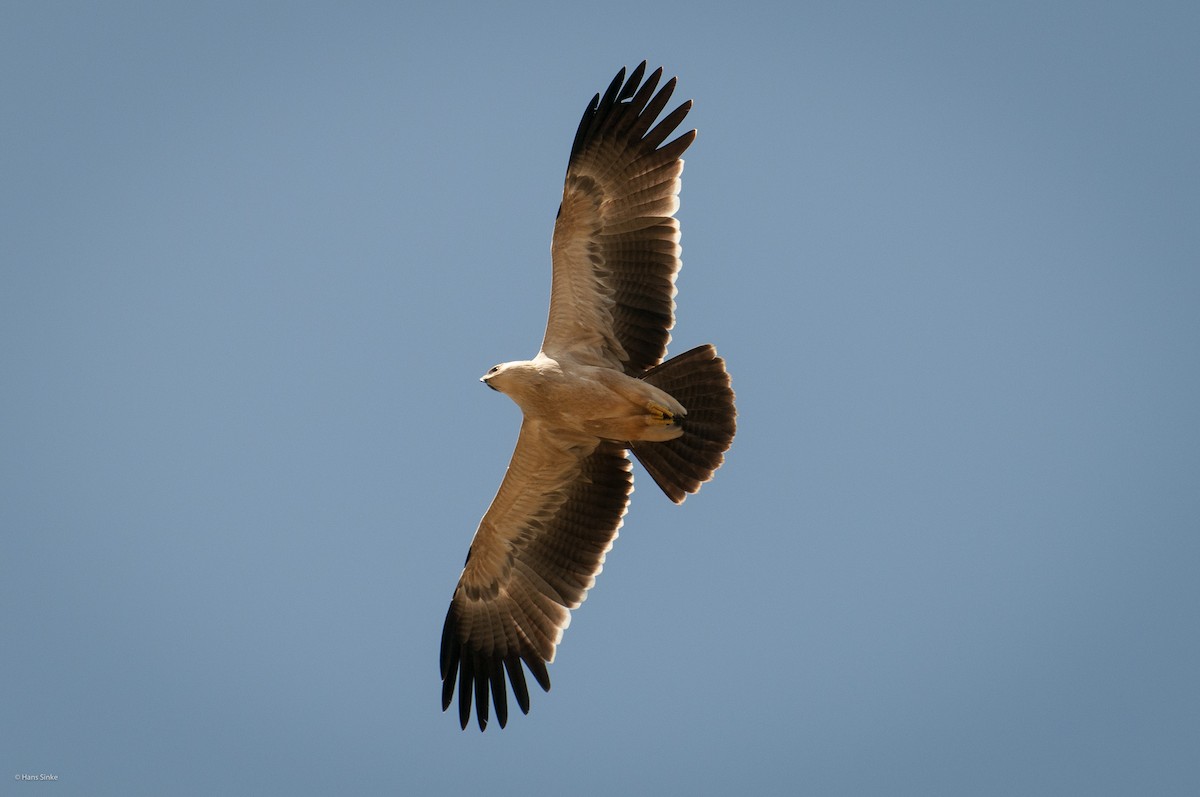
597	389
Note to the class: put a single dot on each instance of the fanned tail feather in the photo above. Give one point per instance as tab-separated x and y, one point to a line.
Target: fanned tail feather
699	381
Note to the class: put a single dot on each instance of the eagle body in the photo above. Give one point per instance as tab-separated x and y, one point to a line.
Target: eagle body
587	399
599	389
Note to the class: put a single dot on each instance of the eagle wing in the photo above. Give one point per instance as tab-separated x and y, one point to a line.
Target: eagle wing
616	242
536	553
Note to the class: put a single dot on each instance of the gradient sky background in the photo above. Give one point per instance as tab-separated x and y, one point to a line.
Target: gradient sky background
255	256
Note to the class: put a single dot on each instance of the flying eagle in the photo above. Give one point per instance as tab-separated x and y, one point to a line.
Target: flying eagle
597	389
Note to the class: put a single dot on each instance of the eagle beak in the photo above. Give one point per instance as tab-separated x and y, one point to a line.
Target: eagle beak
484	379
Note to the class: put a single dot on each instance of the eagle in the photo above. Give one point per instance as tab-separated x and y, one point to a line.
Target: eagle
598	389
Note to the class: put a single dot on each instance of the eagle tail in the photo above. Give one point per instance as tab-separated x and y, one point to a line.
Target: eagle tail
698	380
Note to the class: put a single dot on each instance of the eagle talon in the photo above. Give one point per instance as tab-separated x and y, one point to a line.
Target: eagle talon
662	415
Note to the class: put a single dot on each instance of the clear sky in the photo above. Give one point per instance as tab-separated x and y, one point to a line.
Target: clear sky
255	256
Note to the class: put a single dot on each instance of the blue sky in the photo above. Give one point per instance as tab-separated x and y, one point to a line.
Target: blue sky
255	256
